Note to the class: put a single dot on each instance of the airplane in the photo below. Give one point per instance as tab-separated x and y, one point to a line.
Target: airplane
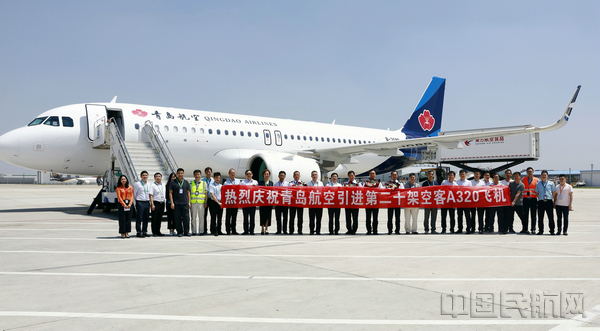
60	139
75	180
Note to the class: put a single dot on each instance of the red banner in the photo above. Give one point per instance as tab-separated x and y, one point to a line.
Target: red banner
239	196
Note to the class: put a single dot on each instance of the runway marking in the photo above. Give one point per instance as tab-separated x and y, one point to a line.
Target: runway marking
267	320
322	240
246	255
253	277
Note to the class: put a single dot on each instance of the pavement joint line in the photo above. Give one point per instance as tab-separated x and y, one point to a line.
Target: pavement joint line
271	320
302	255
294	278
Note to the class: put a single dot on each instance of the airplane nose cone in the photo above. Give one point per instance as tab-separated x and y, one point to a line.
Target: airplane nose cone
9	147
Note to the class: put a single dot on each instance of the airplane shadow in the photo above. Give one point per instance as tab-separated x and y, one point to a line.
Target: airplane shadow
67	210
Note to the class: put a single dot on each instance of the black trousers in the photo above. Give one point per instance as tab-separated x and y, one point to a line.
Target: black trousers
530	208
281	217
489	221
562	212
182	218
157	214
334	220
265	213
351	220
216	216
249	213
230	220
315	214
391	213
293	212
142	216
519	211
481	215
546	206
170	217
430	217
471	220
445	212
375	213
466	212
124	219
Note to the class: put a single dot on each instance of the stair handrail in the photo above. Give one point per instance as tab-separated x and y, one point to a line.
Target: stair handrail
160	145
123	157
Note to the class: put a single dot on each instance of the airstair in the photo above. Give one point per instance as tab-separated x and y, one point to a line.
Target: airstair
130	158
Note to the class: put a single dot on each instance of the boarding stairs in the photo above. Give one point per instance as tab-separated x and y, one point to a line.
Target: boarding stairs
151	154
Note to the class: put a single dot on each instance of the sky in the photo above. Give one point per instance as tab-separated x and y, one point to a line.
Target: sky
361	63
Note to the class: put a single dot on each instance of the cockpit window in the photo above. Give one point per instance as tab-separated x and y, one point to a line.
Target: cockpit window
37	121
67	121
52	120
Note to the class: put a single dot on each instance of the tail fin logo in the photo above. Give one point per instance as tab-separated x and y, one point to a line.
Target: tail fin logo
426	120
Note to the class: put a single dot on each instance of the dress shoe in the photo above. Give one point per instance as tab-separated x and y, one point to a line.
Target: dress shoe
389	232
244	233
565	233
443	231
375	233
368	233
278	232
139	235
540	233
551	233
299	233
511	231
189	234
180	235
235	233
348	232
426	231
407	232
200	234
415	232
434	232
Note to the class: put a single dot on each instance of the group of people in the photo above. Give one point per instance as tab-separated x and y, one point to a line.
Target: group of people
189	203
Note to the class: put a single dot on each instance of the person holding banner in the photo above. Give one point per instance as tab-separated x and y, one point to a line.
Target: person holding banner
231	213
281	211
487	182
351	213
374	212
265	211
449	182
545	191
249	212
463	211
315	212
296	210
430	212
215	205
334	213
394	184
410	212
478	211
493	211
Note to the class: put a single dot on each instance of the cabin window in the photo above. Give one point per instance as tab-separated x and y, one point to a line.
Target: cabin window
354	141
242	133
249	134
52	120
327	139
233	132
226	132
304	138
175	129
67	122
156	127
339	140
166	128
209	131
344	141
184	129
310	138
292	136
323	139
37	121
193	130
256	134
218	131
285	136
201	130
298	137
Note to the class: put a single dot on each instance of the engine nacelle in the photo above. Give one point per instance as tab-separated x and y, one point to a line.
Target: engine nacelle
277	162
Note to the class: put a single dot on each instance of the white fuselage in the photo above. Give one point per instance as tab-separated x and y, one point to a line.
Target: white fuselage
197	139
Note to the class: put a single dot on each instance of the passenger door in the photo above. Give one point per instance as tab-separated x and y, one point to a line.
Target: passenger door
95	113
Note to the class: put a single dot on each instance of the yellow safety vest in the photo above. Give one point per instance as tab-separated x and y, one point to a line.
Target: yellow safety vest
201	189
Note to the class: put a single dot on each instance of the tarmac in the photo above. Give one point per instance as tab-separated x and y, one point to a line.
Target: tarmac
62	269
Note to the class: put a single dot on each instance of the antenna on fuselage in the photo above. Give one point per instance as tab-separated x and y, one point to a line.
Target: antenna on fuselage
114	99
333	122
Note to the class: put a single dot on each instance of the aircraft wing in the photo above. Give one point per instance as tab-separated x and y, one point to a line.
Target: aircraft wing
451	141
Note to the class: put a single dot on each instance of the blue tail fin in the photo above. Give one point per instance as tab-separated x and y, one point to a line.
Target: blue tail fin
426	120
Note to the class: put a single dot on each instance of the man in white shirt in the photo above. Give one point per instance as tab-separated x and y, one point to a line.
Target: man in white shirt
231	213
281	212
449	182
413	212
249	212
394	184
563	203
157	203
351	213
478	211
334	213
492	211
508	210
296	210
316	212
141	191
208	180
507	177
463	211
374	212
215	205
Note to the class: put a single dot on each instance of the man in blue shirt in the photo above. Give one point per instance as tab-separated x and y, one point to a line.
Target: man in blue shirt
545	190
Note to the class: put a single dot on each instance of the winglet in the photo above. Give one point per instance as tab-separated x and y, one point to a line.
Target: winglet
114	99
565	117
